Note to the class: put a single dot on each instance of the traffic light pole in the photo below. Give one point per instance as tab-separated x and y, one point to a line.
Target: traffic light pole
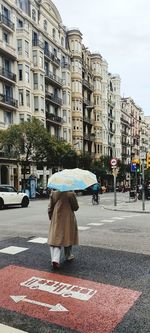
143	190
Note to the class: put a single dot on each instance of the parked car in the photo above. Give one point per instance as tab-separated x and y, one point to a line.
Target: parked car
9	196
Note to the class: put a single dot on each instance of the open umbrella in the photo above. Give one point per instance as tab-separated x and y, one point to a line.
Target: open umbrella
71	179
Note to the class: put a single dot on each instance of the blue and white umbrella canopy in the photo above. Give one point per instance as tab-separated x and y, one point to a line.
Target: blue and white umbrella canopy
71	180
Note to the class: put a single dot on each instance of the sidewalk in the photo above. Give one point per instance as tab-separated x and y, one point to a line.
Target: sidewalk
129	205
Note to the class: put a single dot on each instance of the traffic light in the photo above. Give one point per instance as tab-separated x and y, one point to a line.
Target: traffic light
148	160
137	167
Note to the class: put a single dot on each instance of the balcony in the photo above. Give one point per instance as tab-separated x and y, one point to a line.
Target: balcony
89	136
8	102
55	100
110	116
111	104
87	102
54	79
112	130
87	85
51	56
50	117
7	75
88	120
7	50
6	22
36	42
66	65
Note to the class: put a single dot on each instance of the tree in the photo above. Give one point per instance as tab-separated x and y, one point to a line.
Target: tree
27	142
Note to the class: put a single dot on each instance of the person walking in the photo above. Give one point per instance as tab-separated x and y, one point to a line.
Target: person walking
63	230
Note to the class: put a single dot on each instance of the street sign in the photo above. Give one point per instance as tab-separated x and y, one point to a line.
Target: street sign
113	161
60	299
142	155
133	167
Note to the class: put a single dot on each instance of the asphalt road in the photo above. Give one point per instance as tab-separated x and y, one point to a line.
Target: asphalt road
97	226
112	263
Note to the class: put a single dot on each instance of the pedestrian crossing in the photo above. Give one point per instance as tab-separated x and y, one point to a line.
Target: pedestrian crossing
13	250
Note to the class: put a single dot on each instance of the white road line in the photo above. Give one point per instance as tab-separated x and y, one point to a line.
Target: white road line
95	224
118	218
13	249
108	221
40	240
8	329
83	228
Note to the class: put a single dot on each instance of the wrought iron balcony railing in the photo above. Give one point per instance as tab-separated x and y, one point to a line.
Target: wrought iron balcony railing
5	20
8	100
54	118
53	98
9	75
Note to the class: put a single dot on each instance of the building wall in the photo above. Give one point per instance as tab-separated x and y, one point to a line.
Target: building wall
47	72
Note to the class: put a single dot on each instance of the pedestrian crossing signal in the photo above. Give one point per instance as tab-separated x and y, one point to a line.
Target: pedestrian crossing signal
148	160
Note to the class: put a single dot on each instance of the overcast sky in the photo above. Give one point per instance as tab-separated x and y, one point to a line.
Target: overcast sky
120	31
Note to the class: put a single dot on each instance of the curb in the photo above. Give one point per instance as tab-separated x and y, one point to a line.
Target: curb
126	210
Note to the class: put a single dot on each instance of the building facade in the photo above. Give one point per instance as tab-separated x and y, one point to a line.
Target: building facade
47	72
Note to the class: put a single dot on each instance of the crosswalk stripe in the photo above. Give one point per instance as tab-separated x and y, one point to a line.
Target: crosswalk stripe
95	224
40	240
13	249
8	329
107	221
118	218
83	228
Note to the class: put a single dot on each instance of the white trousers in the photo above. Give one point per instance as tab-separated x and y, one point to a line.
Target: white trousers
55	254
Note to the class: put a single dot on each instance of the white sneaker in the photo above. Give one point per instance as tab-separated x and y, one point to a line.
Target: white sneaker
71	257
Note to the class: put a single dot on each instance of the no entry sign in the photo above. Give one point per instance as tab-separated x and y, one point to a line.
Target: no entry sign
113	161
73	303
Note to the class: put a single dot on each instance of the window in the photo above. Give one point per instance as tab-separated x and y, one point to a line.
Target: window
62	41
64	98
8	118
54	33
42	104
35	58
26	49
21	99
5	36
41	82
45	25
35	81
41	60
65	116
33	15
65	134
36	103
27	73
24	5
21	117
28	117
20	72
28	98
19	46
19	23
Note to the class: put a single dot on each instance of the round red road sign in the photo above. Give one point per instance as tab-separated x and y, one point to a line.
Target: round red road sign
113	161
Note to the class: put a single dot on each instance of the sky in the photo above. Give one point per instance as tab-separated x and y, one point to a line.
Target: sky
120	31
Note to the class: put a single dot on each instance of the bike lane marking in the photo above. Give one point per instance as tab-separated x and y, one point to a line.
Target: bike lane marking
83	305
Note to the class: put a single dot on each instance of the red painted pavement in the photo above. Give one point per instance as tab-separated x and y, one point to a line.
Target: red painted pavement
104	309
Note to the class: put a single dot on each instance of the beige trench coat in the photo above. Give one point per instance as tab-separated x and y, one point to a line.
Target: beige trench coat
63	229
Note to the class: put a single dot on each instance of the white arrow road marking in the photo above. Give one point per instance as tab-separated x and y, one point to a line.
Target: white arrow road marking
57	307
